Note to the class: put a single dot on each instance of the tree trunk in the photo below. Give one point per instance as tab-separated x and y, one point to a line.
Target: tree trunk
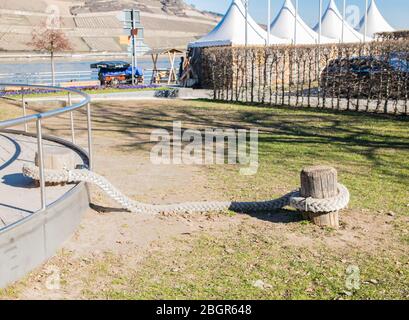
52	69
320	182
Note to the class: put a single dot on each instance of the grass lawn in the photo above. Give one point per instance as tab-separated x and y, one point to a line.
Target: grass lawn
370	152
229	266
298	261
273	256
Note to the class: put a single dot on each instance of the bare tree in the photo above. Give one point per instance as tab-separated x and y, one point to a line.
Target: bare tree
50	39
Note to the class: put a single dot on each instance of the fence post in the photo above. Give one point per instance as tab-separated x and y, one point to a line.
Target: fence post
23	102
89	129
41	164
69	102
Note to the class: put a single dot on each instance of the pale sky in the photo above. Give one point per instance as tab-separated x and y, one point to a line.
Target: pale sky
396	12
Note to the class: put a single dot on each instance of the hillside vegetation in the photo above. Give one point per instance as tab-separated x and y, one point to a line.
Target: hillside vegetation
92	25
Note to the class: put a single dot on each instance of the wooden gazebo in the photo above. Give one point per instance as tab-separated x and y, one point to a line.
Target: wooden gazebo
166	75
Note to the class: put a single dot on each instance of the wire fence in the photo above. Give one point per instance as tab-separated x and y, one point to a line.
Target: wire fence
372	77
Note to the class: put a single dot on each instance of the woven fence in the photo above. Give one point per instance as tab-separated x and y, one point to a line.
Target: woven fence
372	77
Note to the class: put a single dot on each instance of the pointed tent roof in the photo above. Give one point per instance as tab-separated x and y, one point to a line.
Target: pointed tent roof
331	26
376	21
284	24
231	30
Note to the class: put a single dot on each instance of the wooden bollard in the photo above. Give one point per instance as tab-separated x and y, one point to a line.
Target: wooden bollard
320	182
56	158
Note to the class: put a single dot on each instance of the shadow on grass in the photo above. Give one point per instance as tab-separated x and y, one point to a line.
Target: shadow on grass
374	115
288	125
278	216
347	131
287	135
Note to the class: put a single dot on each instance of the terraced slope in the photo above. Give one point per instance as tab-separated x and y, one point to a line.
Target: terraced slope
92	24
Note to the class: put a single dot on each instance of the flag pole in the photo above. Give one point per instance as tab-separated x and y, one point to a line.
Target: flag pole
320	22
319	39
268	21
295	22
246	5
366	20
343	20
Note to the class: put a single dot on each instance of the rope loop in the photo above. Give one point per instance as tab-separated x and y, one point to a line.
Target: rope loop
292	199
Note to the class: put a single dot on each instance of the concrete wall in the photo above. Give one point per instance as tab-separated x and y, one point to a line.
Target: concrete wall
31	241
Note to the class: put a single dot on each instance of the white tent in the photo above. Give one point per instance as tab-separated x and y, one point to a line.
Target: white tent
332	25
231	30
283	26
376	22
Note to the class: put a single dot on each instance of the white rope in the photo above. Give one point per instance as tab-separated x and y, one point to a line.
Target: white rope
292	199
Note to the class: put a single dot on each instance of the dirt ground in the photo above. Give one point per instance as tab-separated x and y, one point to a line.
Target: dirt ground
107	228
121	145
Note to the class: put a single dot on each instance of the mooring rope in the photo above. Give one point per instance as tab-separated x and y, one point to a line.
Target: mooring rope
292	199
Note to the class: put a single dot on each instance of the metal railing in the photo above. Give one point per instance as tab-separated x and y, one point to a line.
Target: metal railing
45	78
25	119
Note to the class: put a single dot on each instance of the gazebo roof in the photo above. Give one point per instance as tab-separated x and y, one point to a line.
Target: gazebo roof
161	51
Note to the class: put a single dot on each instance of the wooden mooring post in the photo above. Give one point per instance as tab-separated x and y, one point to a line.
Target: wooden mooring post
320	182
56	158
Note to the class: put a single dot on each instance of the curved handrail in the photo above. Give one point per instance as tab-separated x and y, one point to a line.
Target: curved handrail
48	114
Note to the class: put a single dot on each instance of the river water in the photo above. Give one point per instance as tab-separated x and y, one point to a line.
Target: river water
39	72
